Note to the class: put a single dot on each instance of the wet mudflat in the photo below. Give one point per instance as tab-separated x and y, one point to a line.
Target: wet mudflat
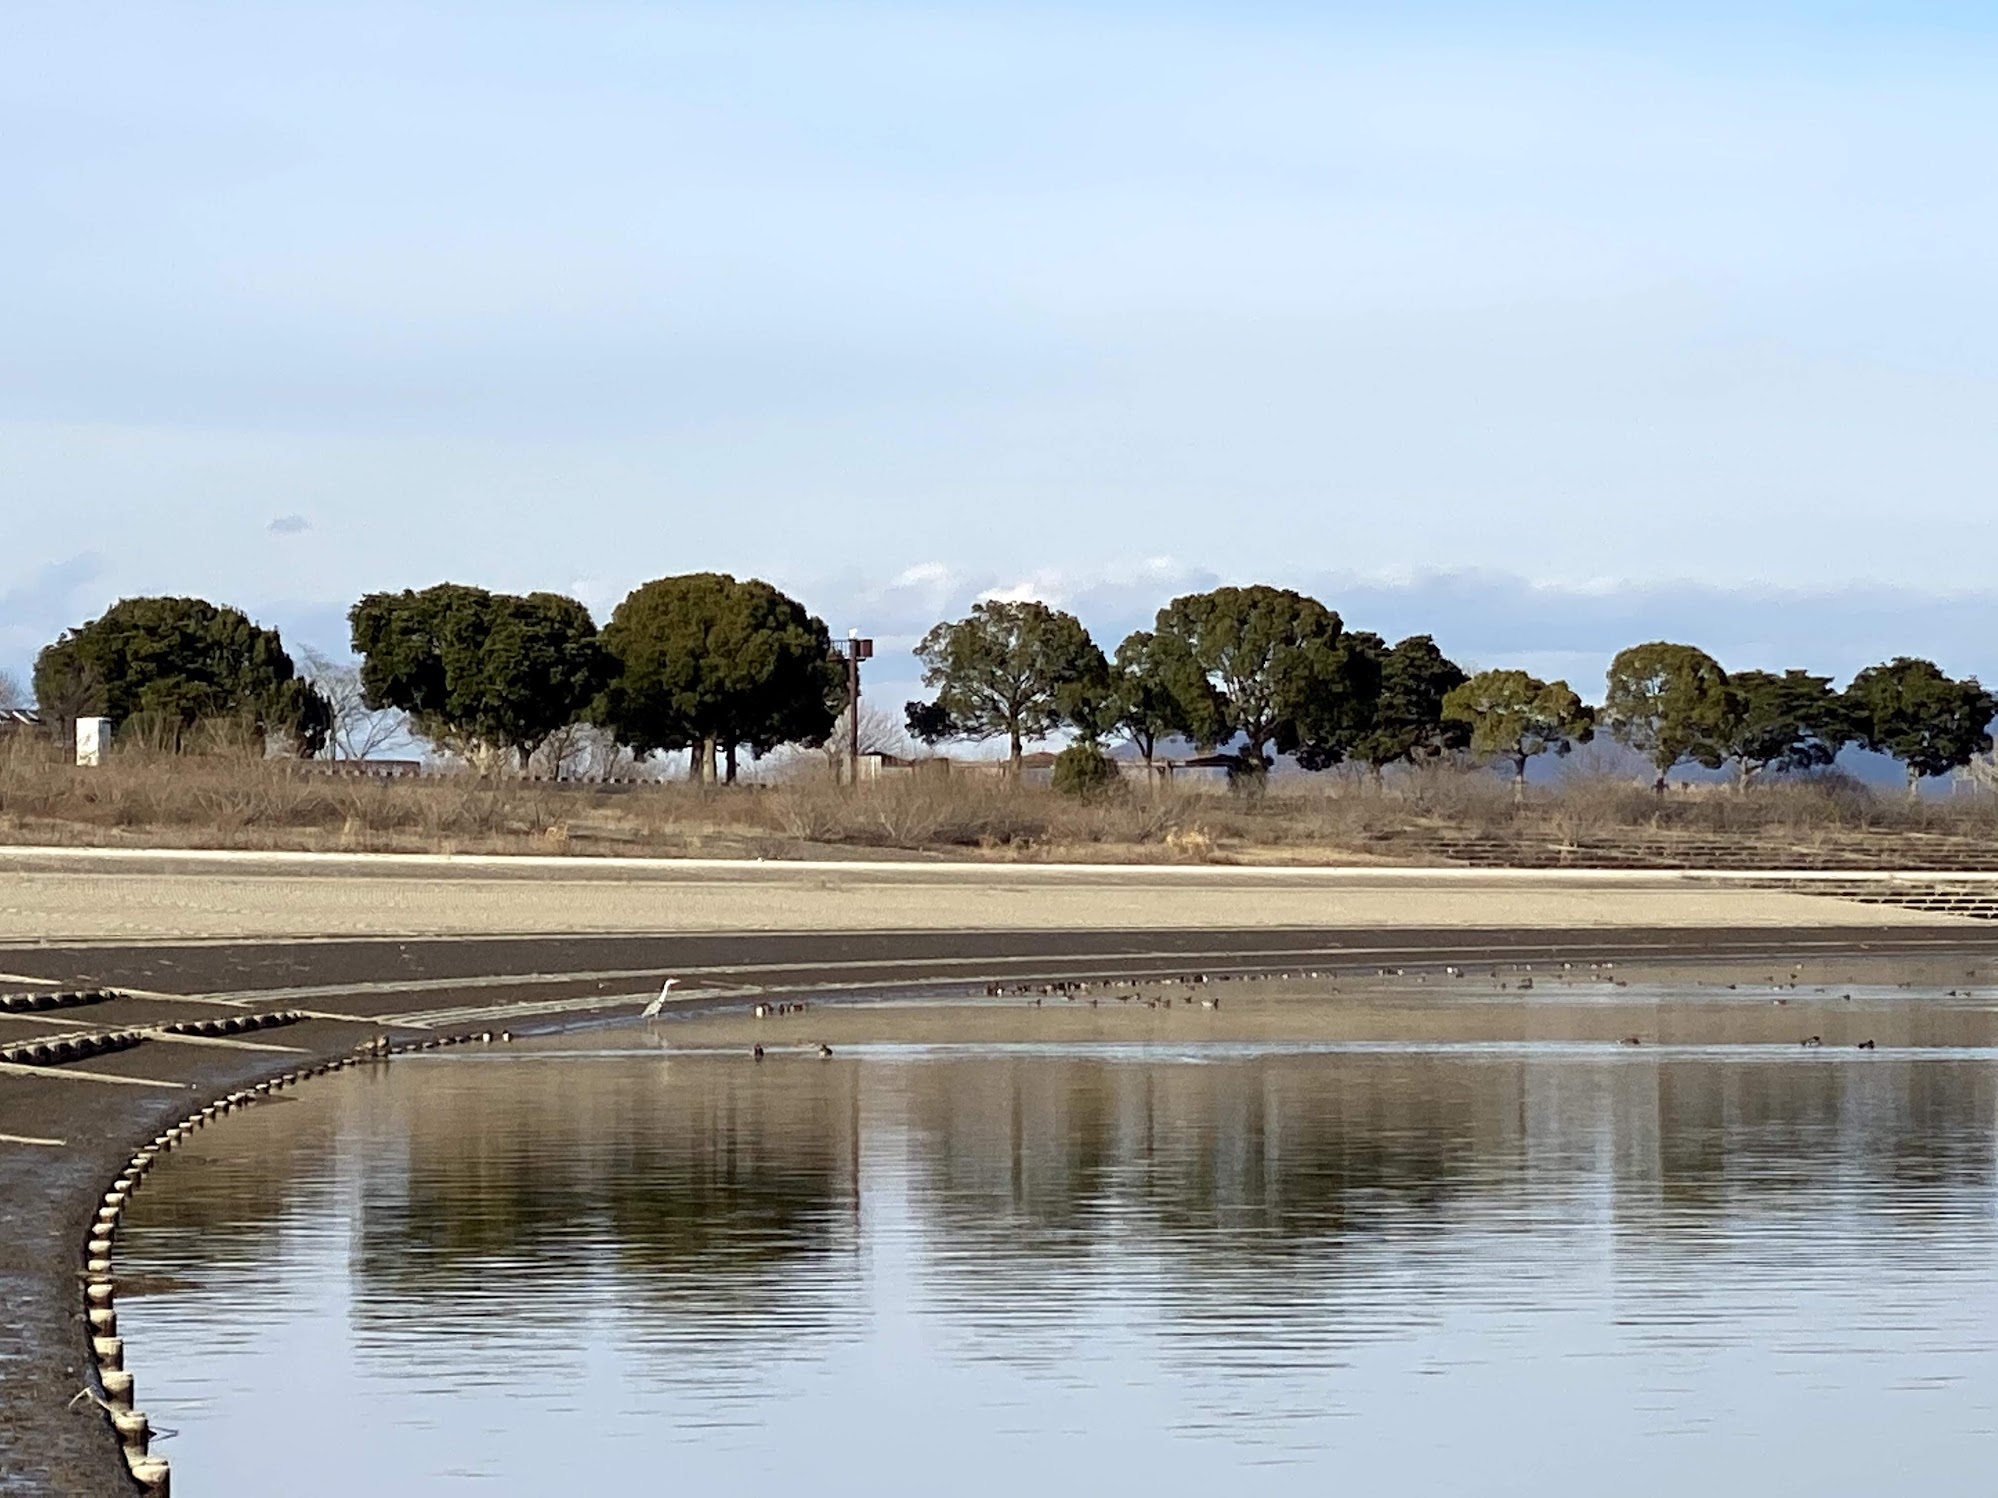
1182	1263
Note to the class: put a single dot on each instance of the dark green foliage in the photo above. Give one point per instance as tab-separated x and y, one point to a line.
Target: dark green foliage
1513	717
173	663
302	714
1089	701
1410	722
1335	718
1794	721
1017	668
402	641
1085	770
1253	662
486	672
705	662
1390	709
67	687
1670	703
928	722
1143	707
1931	723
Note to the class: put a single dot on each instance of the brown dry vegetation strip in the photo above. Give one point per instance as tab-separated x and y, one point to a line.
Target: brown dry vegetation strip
1445	816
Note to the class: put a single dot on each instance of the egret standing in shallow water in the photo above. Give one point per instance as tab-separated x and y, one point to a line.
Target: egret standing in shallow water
651	1010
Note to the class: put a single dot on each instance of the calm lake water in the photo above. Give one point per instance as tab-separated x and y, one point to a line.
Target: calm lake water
1505	1269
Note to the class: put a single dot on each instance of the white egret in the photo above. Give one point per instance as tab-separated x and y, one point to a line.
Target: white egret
659	1003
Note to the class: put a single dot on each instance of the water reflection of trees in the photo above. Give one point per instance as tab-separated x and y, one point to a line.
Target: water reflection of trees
1286	1154
645	1170
1767	1137
724	1194
479	1185
220	1196
1262	1153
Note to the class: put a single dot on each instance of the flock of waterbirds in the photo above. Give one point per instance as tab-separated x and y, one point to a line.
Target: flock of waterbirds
1510	978
1163	991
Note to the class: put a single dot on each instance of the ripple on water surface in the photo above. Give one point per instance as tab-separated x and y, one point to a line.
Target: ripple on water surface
1508	1269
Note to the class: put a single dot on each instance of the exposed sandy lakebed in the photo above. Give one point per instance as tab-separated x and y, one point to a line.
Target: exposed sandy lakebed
1840	1002
99	895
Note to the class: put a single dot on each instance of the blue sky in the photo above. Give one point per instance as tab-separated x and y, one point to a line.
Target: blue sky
1531	325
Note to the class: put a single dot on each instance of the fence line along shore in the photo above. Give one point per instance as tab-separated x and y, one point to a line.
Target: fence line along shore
975	870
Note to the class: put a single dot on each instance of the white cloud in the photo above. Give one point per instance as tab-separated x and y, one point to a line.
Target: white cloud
923	575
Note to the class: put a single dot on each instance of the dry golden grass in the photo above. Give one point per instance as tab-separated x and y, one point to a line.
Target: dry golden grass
141	799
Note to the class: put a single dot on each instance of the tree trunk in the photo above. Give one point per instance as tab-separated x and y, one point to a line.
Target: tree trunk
1914	784
729	755
1518	778
1015	737
701	763
1254	777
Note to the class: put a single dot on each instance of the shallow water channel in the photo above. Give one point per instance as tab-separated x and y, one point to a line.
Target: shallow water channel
1258	1268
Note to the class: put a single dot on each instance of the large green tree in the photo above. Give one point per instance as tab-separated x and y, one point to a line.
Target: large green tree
1392	708
491	674
1929	721
1144	709
708	663
1792	721
1265	664
1671	704
1513	717
173	663
1014	667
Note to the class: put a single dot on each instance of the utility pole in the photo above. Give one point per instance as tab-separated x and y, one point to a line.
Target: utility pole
853	652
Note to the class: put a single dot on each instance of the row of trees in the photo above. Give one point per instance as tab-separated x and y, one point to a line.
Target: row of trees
701	662
1675	705
1273	671
712	665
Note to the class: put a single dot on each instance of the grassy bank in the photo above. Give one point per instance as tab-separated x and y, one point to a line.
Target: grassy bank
1432	817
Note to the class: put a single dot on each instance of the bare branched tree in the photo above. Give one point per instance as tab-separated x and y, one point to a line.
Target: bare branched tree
562	755
581	751
11	694
880	733
359	731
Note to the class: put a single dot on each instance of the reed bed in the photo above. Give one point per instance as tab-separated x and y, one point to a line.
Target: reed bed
1441	815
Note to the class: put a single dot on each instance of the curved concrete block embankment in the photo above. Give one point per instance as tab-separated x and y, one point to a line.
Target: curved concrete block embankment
115	1387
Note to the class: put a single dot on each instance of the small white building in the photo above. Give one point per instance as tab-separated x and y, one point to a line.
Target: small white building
93	737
